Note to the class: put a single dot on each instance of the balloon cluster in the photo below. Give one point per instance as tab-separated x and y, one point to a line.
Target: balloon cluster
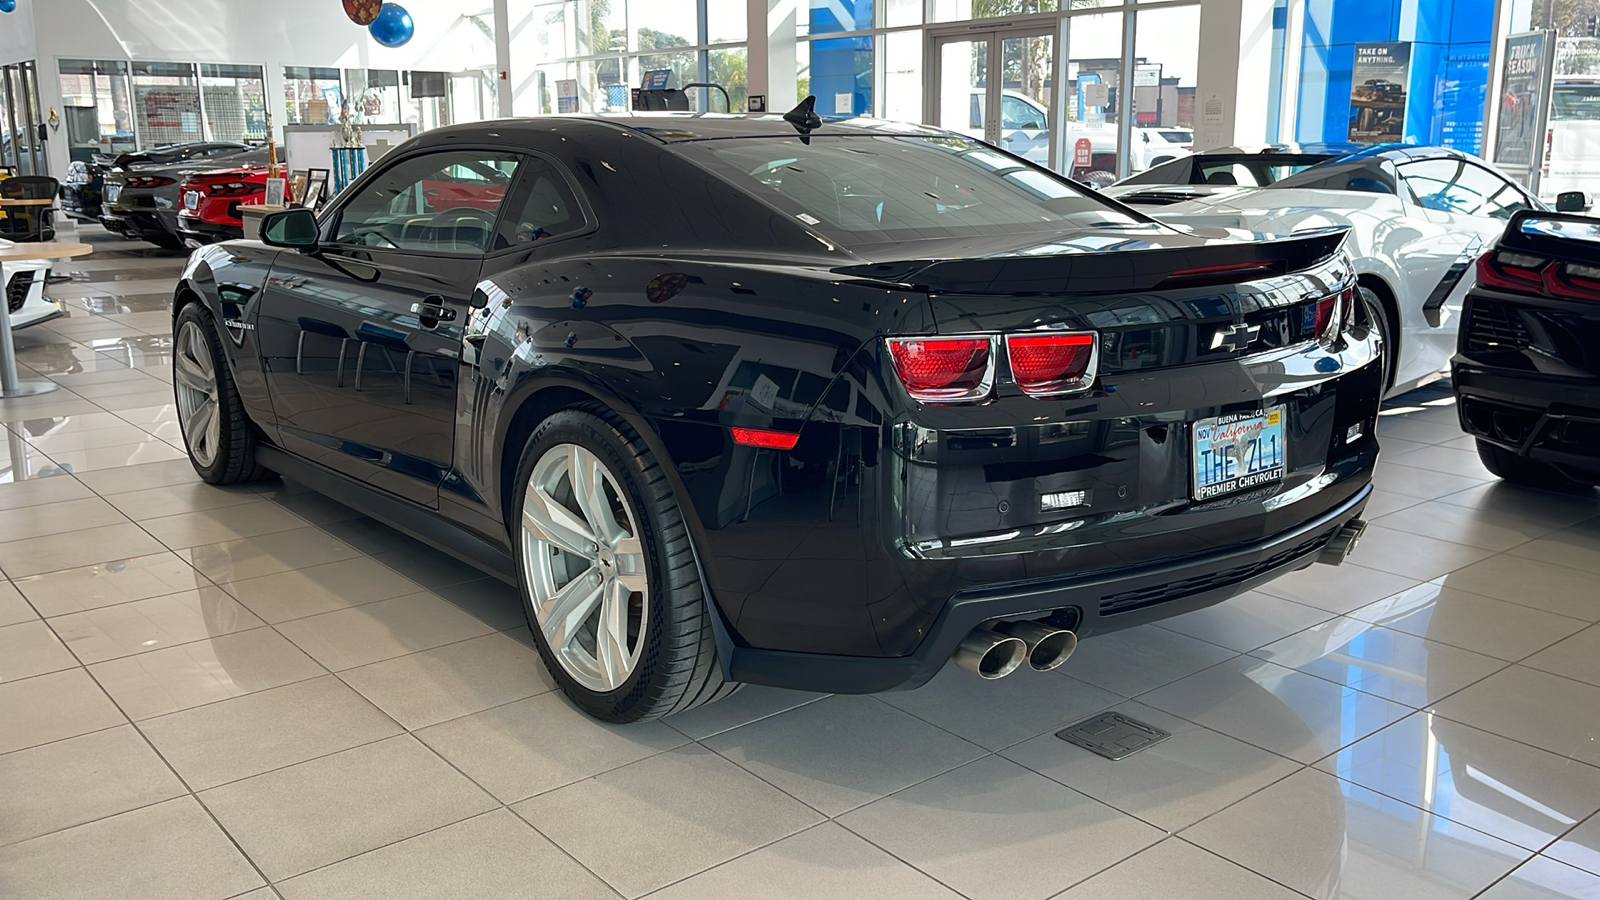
387	22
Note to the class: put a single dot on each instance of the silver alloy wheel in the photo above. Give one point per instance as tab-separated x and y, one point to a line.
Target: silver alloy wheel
586	567
195	376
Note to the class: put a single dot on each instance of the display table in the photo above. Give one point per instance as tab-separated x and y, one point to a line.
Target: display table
252	215
9	252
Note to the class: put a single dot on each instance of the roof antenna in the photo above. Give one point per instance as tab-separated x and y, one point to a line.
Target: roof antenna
804	118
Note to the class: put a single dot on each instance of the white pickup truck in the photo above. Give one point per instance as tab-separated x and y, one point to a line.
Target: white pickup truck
1572	143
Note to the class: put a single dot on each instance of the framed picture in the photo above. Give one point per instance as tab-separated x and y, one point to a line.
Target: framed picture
316	188
297	188
275	191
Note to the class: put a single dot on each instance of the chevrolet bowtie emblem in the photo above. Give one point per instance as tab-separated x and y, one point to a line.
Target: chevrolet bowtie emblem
1234	337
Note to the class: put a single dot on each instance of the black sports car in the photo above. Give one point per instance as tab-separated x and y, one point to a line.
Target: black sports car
1527	367
83	189
753	400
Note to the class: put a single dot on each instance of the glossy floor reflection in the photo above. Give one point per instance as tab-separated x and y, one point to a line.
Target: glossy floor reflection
255	692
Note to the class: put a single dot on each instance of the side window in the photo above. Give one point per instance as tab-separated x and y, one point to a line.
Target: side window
1016	114
542	206
446	202
1456	186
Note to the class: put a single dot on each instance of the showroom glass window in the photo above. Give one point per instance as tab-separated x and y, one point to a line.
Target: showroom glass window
311	95
234	99
1457	186
441	202
97	104
166	103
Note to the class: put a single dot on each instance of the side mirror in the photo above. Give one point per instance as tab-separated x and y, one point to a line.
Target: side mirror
1572	201
293	228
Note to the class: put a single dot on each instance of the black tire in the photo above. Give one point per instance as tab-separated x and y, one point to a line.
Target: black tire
1377	314
678	667
1527	472
235	459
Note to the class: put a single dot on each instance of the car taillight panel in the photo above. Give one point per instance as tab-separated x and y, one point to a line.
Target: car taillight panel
150	181
1334	312
1508	271
1053	363
234	189
944	369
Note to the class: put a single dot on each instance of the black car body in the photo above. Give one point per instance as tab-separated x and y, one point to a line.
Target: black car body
735	294
1527	368
141	200
83	189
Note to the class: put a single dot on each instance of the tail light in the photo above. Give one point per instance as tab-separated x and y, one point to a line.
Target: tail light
944	369
764	438
1333	312
149	181
1508	271
1055	363
234	189
1573	281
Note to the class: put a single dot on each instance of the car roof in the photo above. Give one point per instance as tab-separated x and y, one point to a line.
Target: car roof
678	127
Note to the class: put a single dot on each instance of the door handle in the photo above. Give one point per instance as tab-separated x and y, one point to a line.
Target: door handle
432	311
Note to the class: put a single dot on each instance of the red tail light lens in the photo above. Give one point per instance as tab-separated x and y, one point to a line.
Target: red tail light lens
765	439
150	181
944	369
1047	364
1507	271
1574	282
1333	313
235	189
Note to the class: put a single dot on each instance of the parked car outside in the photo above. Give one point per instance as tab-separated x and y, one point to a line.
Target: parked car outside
1527	371
813	405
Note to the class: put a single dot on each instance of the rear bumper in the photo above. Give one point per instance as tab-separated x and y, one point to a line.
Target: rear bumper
200	231
1552	419
1169	589
138	225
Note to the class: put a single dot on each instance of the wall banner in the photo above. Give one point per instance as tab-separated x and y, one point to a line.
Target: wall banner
1378	92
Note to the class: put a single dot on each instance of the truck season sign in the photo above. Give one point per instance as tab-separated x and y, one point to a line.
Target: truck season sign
1528	63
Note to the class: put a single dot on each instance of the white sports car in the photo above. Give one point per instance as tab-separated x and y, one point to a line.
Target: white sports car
23	286
1418	218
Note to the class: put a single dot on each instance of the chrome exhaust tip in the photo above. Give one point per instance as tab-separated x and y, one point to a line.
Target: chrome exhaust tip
1343	543
989	655
1047	647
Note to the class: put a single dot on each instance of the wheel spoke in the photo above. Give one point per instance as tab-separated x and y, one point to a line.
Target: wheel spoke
631	564
611	637
199	426
552	522
589	489
189	374
567	609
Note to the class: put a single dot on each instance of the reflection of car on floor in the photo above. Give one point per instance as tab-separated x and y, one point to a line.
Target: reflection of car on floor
23	284
142	203
823	410
1418	218
210	203
1527	371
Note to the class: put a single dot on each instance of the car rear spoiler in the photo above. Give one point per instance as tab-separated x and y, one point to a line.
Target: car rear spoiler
1569	236
1115	269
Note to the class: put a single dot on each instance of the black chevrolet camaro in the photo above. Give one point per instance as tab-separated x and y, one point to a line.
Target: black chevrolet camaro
766	400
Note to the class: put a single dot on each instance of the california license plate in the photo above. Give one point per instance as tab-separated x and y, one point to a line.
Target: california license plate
191	199
113	191
1237	452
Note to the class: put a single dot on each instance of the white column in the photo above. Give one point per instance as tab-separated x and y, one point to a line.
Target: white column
502	59
756	47
780	19
1235	63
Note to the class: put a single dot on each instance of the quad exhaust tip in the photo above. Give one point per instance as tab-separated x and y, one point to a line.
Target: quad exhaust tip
1047	647
990	655
1343	543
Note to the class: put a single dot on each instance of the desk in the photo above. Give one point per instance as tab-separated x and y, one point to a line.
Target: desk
9	252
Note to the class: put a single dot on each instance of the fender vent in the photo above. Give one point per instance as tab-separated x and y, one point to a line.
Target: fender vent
17	290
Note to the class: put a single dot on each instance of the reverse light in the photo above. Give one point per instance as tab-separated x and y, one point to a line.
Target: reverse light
149	181
944	369
764	438
1051	363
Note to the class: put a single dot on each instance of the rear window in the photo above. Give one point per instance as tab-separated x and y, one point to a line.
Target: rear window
1178	137
1575	103
887	188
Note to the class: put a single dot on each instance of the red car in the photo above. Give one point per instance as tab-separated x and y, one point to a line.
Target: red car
211	202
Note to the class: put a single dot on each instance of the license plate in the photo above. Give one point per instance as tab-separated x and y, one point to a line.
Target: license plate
113	191
191	199
1237	452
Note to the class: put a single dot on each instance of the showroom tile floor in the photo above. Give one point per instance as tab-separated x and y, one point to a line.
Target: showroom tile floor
256	692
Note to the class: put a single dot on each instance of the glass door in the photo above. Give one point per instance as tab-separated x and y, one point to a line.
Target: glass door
21	118
995	86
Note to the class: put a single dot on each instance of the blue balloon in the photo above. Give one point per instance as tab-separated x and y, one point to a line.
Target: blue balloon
393	26
8	5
